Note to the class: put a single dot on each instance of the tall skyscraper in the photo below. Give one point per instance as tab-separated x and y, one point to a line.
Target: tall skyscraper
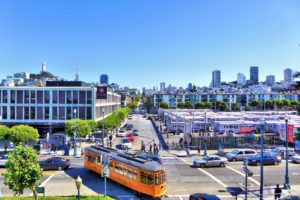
216	78
241	79
44	67
104	79
254	74
270	80
288	75
162	87
190	86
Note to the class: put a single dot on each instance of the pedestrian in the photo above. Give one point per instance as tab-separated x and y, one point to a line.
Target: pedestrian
154	147
150	148
277	192
160	146
110	140
5	147
199	150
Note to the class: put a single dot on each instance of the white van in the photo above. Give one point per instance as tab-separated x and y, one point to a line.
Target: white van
240	154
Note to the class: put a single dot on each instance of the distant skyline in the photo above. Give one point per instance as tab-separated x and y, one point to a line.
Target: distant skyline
143	43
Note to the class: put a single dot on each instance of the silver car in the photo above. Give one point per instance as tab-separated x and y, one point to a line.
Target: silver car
296	159
210	161
240	154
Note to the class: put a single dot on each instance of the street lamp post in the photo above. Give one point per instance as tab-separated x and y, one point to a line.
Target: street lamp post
103	127
261	191
78	182
287	181
75	148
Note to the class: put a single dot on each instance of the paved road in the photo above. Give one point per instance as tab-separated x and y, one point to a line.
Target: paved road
182	179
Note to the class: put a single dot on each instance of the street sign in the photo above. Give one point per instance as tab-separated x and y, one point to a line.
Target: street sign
105	172
247	171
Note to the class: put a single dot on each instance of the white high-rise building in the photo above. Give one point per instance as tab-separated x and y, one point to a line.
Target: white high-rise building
216	78
77	75
241	79
162	87
44	67
288	75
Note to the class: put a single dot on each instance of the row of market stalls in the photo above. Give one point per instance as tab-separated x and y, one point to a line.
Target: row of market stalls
231	123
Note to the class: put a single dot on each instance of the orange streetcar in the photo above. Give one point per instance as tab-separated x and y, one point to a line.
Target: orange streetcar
135	172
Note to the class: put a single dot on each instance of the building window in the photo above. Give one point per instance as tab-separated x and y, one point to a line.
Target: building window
4	112
47	97
69	97
4	96
88	113
62	97
33	96
89	97
54	97
82	97
12	112
69	113
75	97
46	113
19	113
26	96
19	96
40	96
54	113
40	113
81	112
61	113
32	112
26	112
12	96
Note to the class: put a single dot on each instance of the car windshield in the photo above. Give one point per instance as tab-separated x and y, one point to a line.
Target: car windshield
205	158
235	151
122	131
275	150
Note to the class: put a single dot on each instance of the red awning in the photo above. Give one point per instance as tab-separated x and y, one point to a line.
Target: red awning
246	130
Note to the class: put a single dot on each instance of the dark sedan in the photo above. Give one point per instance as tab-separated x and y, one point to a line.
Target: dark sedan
268	159
55	163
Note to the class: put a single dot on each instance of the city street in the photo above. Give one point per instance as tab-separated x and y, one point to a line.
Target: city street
182	179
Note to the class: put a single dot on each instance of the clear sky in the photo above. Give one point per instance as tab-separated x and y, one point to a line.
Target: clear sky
142	43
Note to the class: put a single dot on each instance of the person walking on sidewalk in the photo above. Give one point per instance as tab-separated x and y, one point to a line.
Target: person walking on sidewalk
199	150
150	148
5	147
277	192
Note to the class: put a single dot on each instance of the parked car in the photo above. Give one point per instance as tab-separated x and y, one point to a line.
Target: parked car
121	133
3	158
130	137
130	117
203	196
125	143
135	132
154	157
129	127
55	163
269	158
281	151
296	159
210	161
240	154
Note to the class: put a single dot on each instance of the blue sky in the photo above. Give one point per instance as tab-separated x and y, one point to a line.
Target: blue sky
142	43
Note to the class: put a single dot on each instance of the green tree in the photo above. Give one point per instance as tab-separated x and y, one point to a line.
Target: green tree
181	105
235	107
222	106
208	105
286	103
188	105
200	105
269	105
23	170
4	132
82	127
278	103
93	124
256	104
132	105
138	97
148	105
164	105
23	133
248	108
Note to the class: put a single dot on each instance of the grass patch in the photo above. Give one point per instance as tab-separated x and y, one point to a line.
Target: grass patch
100	197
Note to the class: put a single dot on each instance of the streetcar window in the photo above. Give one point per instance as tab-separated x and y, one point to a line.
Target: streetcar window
150	179
130	173
143	177
111	165
147	178
134	174
101	158
98	159
157	179
124	171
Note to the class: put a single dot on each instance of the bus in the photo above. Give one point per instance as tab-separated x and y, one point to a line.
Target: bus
138	173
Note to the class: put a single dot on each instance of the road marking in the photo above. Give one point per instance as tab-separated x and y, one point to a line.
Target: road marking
208	174
168	158
295	173
42	185
242	174
187	195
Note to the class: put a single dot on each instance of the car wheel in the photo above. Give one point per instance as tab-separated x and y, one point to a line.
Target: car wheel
59	168
202	165
233	159
258	164
222	164
275	163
